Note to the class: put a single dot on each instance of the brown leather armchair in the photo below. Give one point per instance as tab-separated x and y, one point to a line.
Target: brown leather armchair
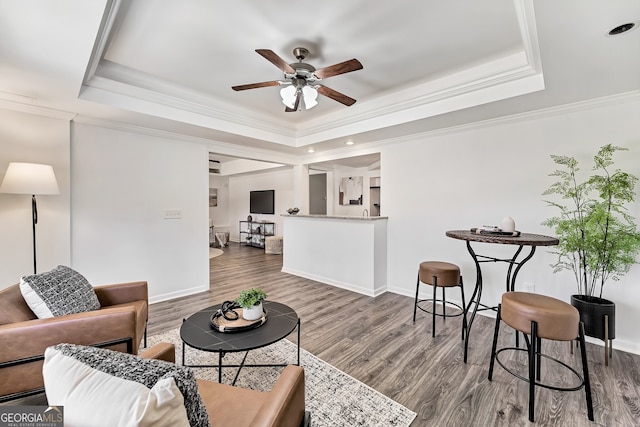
120	324
283	406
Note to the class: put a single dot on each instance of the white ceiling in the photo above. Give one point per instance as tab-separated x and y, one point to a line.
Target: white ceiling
428	64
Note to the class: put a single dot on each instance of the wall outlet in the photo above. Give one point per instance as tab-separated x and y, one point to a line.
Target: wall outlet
173	214
528	287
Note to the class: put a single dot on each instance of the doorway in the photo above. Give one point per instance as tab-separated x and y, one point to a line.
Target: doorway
318	194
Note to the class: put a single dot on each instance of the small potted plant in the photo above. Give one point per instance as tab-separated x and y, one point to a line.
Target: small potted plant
251	302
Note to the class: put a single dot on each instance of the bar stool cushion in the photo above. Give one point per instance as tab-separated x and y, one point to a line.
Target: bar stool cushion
557	320
448	274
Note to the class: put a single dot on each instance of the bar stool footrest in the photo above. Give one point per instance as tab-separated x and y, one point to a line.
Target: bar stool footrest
526	379
451	304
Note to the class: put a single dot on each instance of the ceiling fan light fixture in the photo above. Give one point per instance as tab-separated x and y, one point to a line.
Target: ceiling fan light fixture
310	94
288	95
301	80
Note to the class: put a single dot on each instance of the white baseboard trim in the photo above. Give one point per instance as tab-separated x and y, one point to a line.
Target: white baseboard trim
342	285
177	294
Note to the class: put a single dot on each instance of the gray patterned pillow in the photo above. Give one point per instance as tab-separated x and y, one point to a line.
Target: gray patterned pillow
58	292
61	386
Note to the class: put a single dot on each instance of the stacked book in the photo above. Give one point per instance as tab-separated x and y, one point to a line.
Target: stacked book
493	230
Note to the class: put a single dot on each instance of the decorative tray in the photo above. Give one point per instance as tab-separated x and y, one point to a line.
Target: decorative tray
220	324
495	232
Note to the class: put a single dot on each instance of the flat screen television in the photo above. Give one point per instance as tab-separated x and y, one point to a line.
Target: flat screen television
262	202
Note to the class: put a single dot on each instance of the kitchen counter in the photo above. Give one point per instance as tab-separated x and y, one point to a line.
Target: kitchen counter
362	218
348	252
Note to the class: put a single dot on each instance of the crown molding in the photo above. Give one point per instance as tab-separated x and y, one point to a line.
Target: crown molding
500	79
220	147
570	108
234	150
36	109
126	96
110	17
529	33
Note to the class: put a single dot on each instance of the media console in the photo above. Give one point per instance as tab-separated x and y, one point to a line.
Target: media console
254	233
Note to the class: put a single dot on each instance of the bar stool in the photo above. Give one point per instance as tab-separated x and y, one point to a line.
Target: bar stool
440	275
537	317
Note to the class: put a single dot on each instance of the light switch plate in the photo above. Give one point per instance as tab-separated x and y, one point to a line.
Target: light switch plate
173	214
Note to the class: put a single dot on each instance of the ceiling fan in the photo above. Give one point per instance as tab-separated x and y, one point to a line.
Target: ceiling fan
301	80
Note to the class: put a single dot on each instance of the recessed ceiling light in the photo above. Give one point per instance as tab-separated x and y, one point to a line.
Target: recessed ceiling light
349	142
622	28
311	150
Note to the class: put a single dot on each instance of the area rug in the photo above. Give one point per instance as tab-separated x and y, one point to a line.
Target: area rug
333	397
214	252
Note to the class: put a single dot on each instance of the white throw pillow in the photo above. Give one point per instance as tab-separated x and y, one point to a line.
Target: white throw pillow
58	292
100	387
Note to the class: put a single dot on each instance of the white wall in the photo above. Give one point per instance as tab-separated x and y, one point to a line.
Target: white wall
33	138
219	215
456	179
239	187
122	184
341	172
477	175
347	253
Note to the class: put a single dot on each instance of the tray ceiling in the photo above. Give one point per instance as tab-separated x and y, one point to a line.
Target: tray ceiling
428	64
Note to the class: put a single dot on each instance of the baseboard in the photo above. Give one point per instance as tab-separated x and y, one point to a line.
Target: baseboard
618	344
177	294
342	285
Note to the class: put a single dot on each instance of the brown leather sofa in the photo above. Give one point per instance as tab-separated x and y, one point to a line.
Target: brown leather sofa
122	318
226	405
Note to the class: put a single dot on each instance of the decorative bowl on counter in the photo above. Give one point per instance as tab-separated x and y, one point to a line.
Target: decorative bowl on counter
293	211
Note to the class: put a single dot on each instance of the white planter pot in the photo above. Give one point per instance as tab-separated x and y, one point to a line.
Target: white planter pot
252	313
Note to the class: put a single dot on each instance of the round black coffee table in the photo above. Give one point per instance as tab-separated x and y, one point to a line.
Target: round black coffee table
196	332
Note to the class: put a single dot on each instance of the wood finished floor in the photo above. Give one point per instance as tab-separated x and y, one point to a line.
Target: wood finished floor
375	341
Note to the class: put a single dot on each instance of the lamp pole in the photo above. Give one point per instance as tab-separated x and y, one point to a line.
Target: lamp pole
34	217
30	178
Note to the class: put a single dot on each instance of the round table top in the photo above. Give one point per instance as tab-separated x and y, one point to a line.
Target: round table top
524	239
197	332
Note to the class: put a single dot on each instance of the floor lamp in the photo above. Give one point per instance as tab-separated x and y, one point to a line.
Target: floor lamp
30	178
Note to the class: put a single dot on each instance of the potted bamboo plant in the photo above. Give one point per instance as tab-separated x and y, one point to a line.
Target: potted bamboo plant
598	237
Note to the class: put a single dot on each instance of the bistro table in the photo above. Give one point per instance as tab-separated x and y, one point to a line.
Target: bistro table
521	240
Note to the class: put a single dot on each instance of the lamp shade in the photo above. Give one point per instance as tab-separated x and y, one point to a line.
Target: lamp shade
310	95
288	95
29	178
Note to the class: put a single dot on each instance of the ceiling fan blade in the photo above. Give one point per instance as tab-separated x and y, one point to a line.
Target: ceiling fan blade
272	57
255	85
341	68
336	96
296	105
